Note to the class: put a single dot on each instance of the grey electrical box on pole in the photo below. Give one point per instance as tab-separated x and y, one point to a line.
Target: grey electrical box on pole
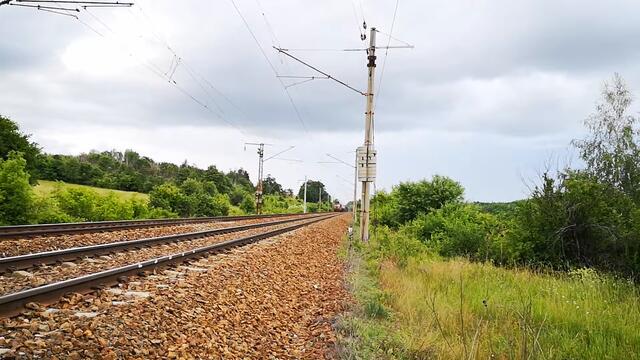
366	163
367	151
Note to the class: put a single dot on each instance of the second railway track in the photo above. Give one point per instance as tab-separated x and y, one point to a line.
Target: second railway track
26	261
22	231
11	304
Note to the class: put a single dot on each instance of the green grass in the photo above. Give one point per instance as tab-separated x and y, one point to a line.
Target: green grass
45	188
435	308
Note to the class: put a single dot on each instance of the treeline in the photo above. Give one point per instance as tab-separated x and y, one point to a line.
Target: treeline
129	171
183	190
20	204
588	217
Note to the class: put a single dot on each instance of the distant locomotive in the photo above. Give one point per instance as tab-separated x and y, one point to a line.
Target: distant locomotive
339	208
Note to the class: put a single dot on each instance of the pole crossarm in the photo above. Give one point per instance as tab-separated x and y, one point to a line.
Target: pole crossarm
81	3
341	161
49	5
291	160
396	47
44	7
283	51
281	152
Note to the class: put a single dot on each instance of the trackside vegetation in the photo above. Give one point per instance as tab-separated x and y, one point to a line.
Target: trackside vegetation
554	276
36	187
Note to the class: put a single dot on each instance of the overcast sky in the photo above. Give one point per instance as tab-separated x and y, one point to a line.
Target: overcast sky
492	92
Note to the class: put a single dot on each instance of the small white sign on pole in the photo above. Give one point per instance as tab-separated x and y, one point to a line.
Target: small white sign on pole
367	158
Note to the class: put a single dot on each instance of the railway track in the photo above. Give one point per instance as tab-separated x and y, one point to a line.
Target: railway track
14	303
26	261
19	231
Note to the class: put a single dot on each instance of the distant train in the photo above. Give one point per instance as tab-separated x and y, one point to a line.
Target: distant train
339	208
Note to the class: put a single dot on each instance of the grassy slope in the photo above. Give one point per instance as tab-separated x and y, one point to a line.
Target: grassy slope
46	187
454	309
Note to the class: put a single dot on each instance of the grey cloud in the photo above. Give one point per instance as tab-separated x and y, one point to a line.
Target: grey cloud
495	71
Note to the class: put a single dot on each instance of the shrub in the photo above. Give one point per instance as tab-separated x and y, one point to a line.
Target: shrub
575	220
47	211
248	204
110	208
458	230
77	203
385	210
16	195
217	205
425	196
398	246
191	198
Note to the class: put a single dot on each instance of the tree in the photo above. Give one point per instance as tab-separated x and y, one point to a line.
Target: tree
241	177
14	140
169	197
271	187
414	198
223	184
16	195
611	152
313	191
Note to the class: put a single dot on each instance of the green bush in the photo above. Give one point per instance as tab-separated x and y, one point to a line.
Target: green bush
77	203
414	198
397	245
47	211
238	195
410	199
88	205
217	205
155	213
248	204
279	204
575	220
458	230
191	198
16	195
110	208
385	210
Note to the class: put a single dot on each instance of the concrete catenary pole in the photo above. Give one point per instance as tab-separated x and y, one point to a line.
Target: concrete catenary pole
354	207
259	187
368	136
305	195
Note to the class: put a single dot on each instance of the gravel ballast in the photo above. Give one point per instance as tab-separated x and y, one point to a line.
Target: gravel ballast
20	246
274	299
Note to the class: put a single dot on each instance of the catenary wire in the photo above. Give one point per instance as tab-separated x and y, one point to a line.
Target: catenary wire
157	71
275	71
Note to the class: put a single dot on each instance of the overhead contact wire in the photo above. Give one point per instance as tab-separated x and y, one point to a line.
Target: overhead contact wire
275	71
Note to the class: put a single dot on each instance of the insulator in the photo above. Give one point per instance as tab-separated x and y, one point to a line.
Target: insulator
364	25
363	37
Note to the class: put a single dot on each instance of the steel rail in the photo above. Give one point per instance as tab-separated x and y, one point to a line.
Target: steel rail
17	231
12	304
26	261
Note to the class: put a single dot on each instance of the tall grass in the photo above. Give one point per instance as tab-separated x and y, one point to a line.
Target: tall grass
455	309
46	188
